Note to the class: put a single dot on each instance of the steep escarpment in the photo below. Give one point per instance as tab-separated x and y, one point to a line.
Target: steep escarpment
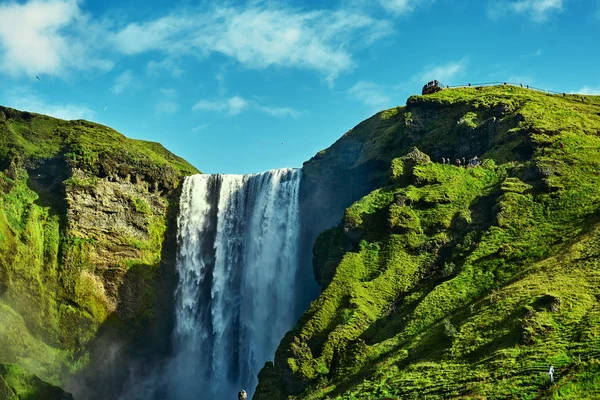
86	247
449	127
448	281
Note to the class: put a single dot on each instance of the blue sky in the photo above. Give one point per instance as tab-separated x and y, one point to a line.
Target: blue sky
223	84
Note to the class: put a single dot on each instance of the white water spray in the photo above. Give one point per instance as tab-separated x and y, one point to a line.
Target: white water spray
237	264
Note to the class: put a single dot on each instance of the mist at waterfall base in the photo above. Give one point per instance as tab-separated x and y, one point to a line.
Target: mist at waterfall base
238	269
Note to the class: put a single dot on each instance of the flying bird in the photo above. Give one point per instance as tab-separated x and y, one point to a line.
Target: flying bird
37	77
282	142
105	108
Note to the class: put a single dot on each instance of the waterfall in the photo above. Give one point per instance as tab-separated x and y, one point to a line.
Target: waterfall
237	264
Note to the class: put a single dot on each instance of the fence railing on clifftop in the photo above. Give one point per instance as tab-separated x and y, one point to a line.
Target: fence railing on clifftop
505	84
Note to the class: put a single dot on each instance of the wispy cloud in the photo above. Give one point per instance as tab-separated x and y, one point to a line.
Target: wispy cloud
279	111
402	6
168	92
123	81
537	10
25	100
443	72
166	107
259	36
518	79
370	94
589	90
236	104
56	36
168	103
233	105
200	127
34	39
155	68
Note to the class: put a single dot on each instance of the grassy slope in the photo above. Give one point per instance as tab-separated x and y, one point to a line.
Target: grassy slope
454	282
18	384
49	306
39	137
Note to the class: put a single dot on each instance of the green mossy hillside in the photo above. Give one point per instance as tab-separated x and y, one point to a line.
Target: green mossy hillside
88	146
17	384
86	226
453	282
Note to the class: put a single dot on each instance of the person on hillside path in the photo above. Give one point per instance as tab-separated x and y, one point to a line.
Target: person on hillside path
458	162
475	161
551	373
443	160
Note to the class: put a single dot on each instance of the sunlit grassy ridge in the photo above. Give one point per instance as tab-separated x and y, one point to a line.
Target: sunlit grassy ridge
92	146
460	282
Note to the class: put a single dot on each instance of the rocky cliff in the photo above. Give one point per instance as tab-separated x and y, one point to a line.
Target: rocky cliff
87	242
446	281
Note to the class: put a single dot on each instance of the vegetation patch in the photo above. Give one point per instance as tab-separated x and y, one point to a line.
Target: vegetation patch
454	282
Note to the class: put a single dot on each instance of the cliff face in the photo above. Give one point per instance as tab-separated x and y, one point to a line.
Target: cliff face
87	242
442	127
448	281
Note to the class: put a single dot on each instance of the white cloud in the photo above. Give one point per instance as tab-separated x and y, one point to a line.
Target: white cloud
155	68
137	38
46	37
537	10
443	72
233	105
168	92
279	111
236	104
259	37
370	94
168	103
122	82
200	127
166	107
518	79
589	90
55	37
402	6
26	101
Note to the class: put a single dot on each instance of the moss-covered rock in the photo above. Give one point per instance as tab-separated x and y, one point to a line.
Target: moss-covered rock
17	384
84	218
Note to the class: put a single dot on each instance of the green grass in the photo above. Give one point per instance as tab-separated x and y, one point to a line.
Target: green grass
53	292
460	283
25	386
88	146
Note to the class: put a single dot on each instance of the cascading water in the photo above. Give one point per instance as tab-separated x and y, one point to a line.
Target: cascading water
237	265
